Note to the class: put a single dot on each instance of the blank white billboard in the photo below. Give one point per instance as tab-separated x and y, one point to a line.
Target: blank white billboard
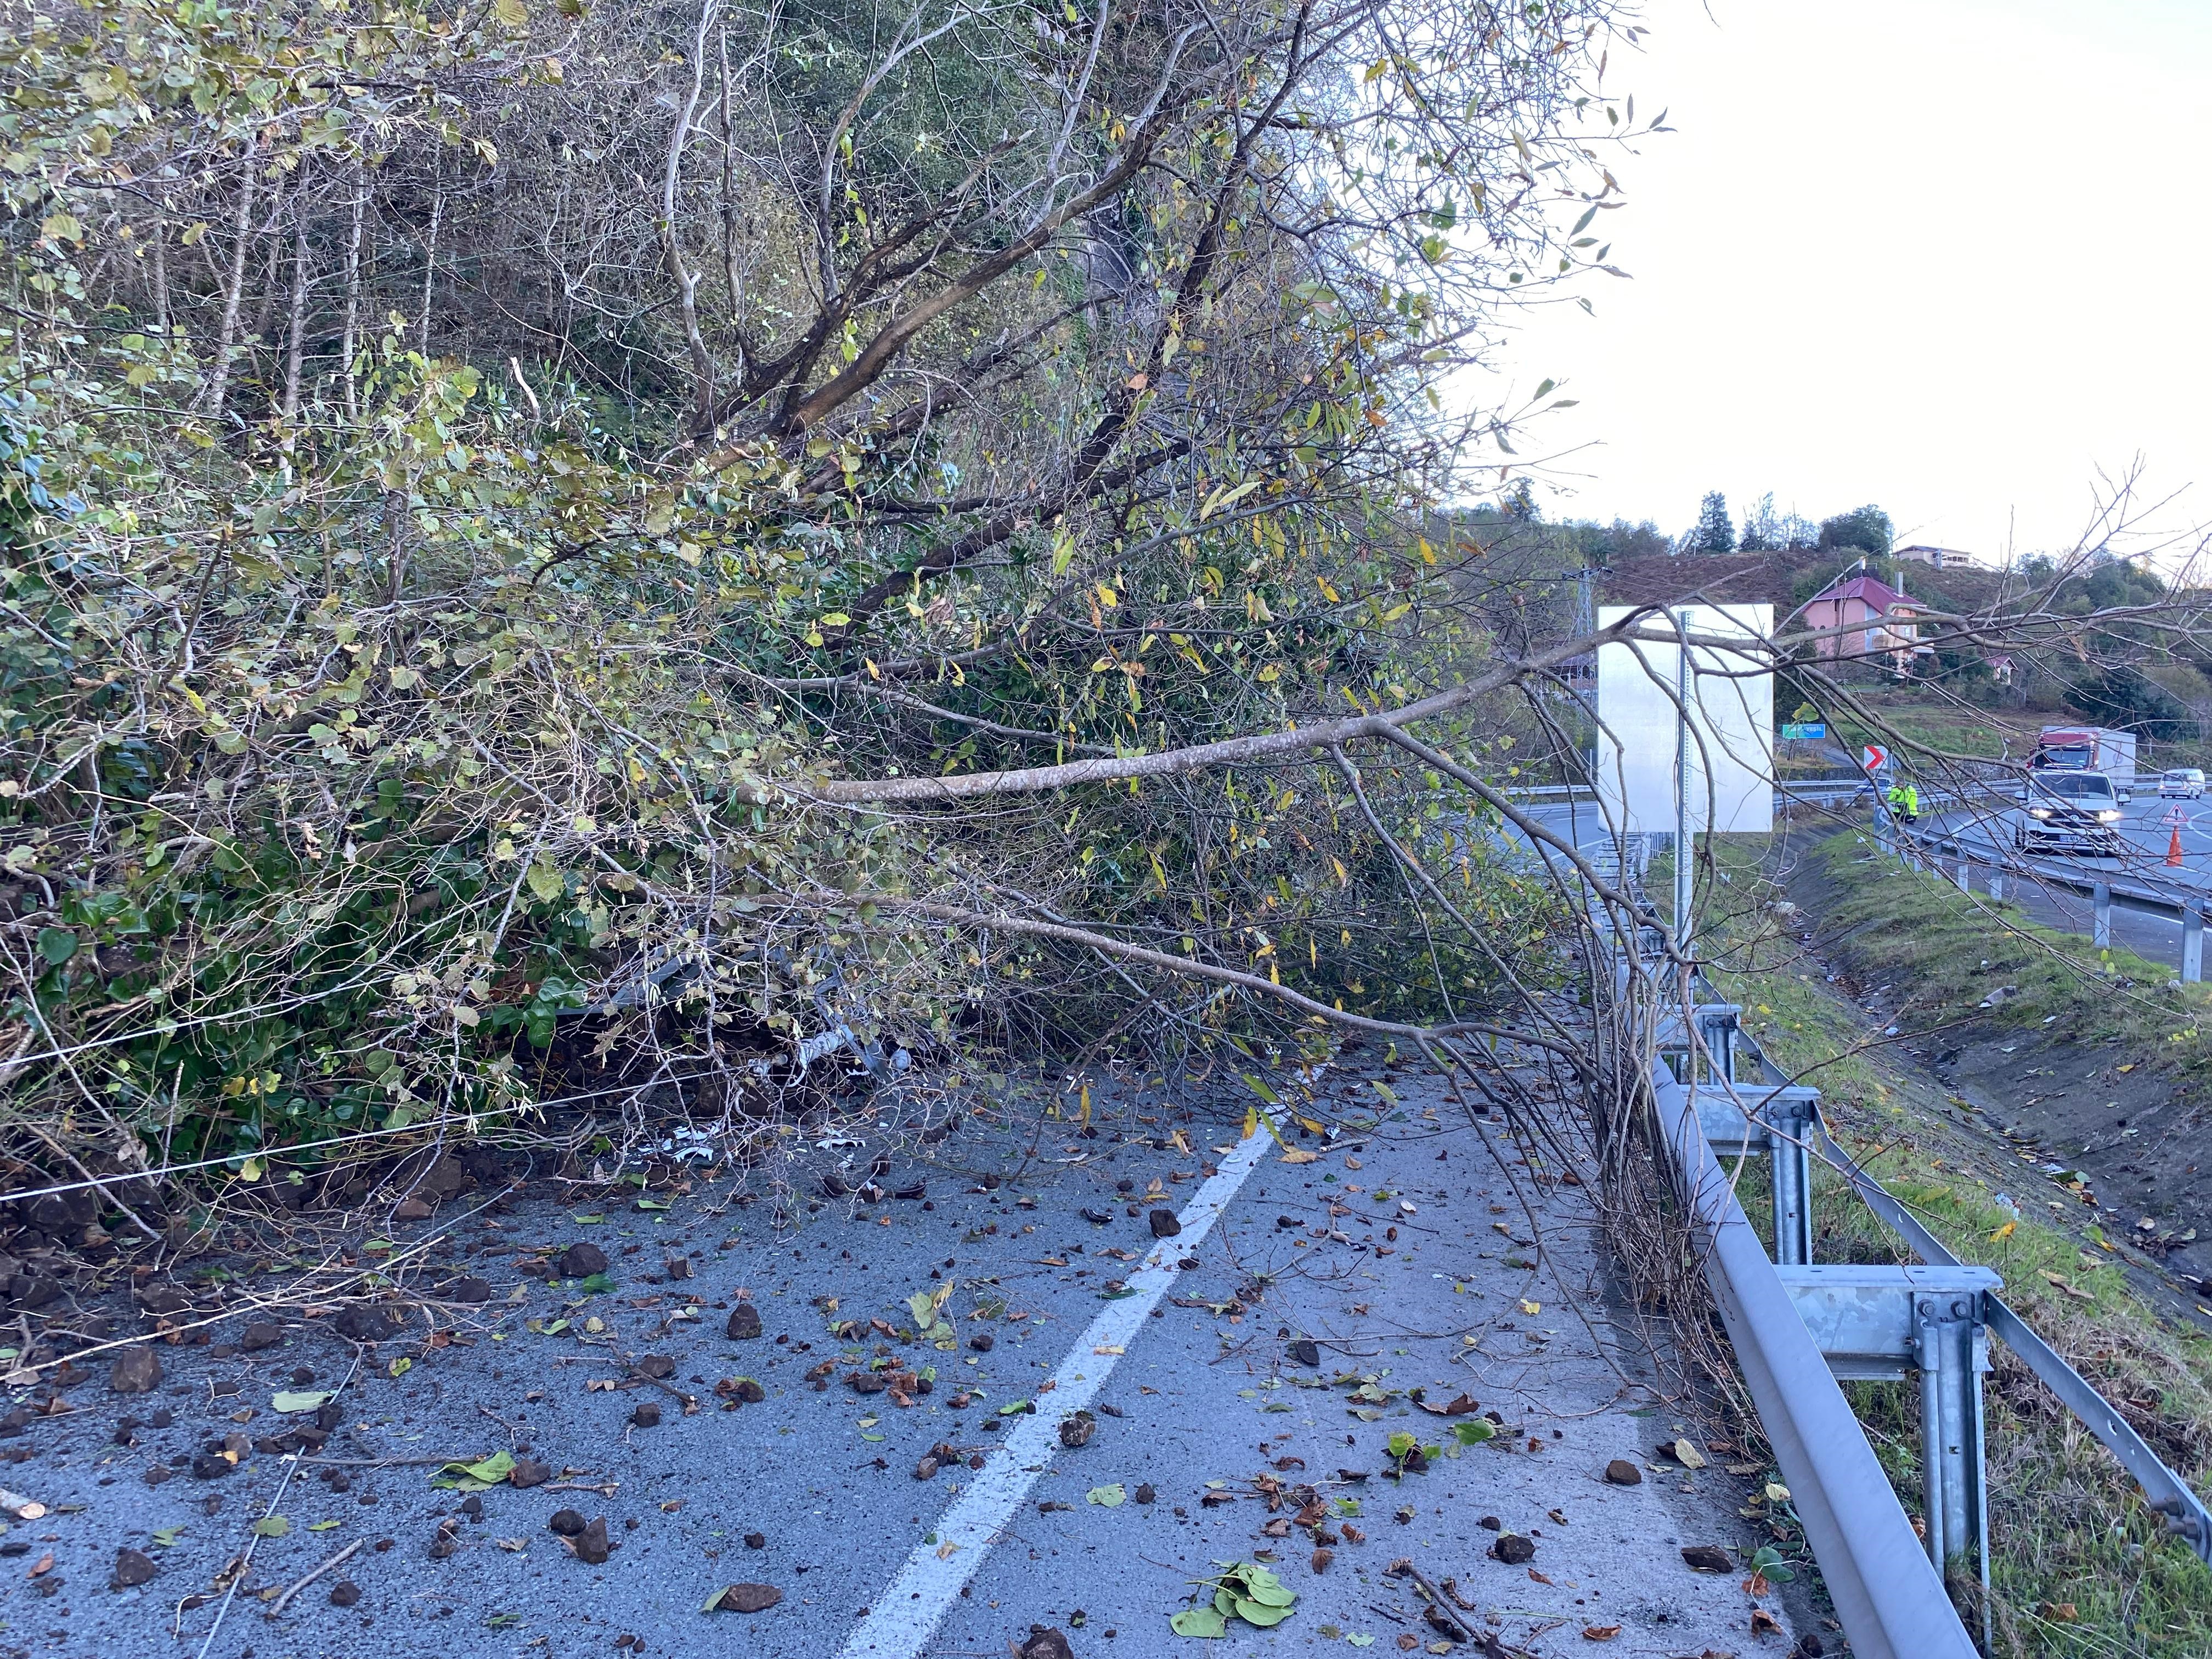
1730	700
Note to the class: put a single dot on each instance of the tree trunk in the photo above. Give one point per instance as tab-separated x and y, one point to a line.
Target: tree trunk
233	290
687	281
430	260
296	329
161	274
350	342
733	280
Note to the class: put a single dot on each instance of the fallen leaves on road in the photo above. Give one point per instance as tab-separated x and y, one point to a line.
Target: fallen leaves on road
743	1598
475	1477
1243	1589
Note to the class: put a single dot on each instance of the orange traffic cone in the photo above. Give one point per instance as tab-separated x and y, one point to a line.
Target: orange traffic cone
2174	845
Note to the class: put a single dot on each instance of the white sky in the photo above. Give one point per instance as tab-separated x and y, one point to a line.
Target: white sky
1949	256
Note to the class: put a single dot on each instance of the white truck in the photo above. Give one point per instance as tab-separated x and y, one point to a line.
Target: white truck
2088	749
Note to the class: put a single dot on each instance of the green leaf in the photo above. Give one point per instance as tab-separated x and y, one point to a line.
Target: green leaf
475	1477
597	1285
167	1536
1262	1586
545	880
310	1401
1199	1621
587	1220
57	945
1108	1497
1259	1612
323	1526
271	1526
1259	1087
1473	1433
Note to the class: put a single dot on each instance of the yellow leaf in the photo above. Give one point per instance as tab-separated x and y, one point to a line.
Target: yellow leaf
1251	1122
1529	1307
513	13
2003	1232
1299	1155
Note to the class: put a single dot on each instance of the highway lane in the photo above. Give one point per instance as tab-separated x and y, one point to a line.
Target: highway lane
2146	832
1987	829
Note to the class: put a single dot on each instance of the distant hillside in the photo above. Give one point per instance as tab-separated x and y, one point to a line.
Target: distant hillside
1785	581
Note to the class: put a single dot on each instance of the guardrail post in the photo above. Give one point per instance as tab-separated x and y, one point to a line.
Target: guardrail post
1997	884
2101	898
1965	875
1953	1352
2192	945
1790	1118
1717	1032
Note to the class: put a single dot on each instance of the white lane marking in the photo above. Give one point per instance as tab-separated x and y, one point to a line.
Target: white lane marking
904	1618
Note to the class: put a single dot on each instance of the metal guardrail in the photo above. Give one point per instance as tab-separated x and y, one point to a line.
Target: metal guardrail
2185	1513
1796	1327
1888	1594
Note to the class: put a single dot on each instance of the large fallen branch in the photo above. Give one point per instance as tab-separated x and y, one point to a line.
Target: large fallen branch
1317	738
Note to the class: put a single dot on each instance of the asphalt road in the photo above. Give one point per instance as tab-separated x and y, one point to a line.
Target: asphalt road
1422	1260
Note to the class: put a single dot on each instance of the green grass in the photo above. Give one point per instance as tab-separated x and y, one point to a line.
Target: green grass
1952	950
1907	717
2069	1528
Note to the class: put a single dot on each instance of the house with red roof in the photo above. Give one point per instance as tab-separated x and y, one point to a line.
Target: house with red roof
1859	617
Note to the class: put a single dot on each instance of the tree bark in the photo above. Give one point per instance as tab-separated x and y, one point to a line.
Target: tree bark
162	273
296	330
350	342
430	258
1229	751
687	281
234	290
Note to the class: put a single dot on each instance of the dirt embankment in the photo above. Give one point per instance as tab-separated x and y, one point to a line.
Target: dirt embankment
2075	1072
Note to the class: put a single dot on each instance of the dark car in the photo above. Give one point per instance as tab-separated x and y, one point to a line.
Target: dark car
2068	812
